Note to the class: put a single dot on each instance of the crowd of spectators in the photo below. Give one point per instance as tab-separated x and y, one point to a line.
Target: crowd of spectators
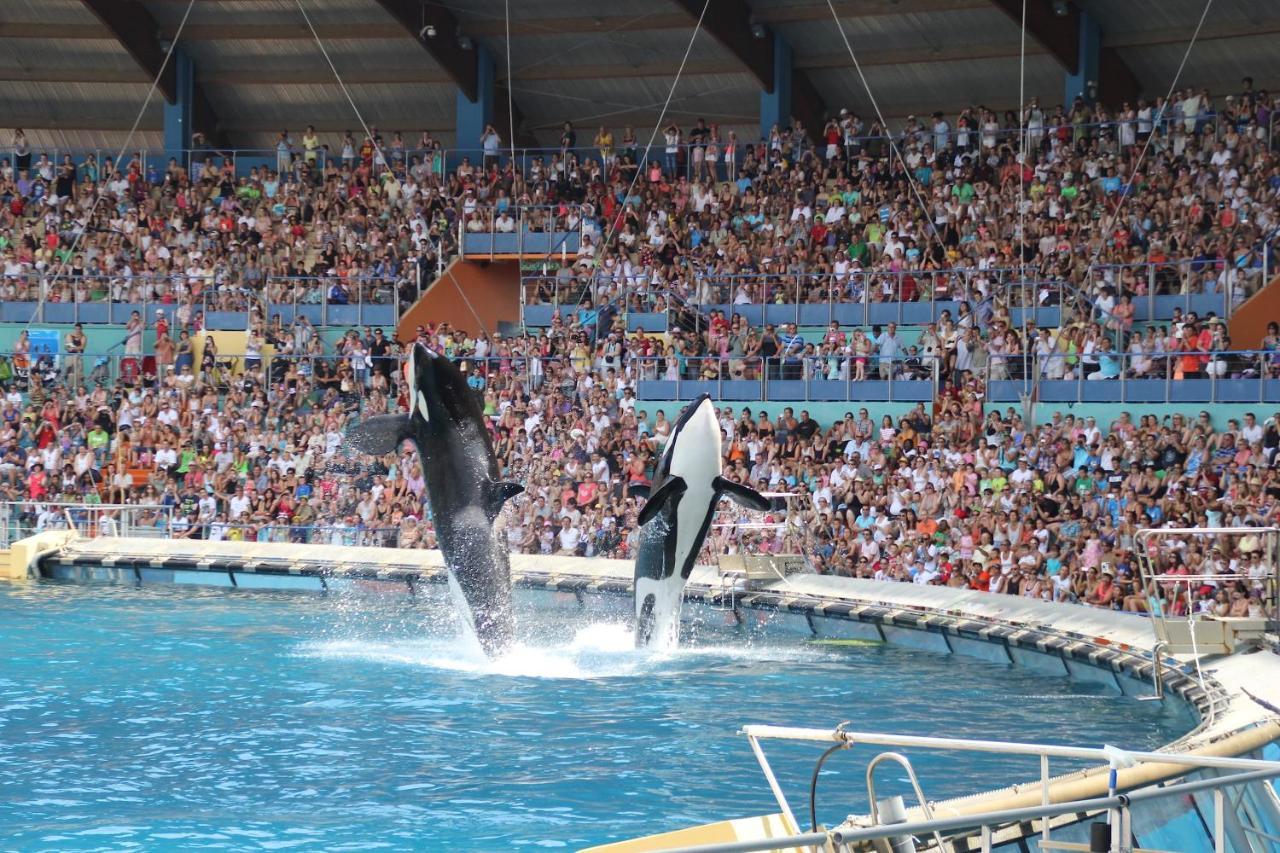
935	208
957	210
245	446
943	495
200	234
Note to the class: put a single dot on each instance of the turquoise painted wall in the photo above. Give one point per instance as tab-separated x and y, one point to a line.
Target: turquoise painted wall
1105	413
824	413
103	337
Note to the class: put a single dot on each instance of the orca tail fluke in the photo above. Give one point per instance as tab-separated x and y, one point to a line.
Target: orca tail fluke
741	495
379	435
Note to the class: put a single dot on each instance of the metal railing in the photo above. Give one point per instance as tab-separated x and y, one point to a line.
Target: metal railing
20	519
89	299
1154	291
530	231
439	160
1248	376
1116	806
1104	375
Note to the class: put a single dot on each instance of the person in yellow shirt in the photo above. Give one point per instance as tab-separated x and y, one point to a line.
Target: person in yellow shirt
604	142
310	145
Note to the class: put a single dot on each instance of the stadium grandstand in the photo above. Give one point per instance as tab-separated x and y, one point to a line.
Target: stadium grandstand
985	285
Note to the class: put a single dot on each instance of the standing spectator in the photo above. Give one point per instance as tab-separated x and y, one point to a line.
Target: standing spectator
889	350
490	142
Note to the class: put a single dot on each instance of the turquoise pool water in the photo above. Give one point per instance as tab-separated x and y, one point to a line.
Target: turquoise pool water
177	718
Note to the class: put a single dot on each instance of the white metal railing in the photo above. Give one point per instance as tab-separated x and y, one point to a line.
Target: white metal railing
19	520
1117	806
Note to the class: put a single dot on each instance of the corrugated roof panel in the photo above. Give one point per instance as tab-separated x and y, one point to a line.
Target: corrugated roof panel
886	32
238	55
48	11
415	106
493	10
250	13
1136	16
104	143
651	48
1217	64
923	87
730	100
87	55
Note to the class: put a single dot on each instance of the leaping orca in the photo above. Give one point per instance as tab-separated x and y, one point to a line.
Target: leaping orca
446	423
675	520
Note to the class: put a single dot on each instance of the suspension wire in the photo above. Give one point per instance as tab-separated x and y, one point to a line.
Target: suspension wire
595	271
1133	173
380	158
893	147
511	109
1020	163
99	194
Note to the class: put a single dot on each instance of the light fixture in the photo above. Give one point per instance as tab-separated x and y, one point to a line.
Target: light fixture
758	30
427	32
1061	8
465	42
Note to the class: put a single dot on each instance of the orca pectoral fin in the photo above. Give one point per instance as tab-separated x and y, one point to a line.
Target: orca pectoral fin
670	490
741	495
497	494
379	435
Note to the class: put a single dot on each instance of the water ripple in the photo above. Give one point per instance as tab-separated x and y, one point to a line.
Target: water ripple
164	719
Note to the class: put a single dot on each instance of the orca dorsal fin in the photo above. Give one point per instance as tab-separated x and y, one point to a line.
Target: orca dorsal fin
498	493
740	494
379	435
672	489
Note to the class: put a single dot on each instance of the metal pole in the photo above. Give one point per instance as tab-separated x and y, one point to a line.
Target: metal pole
1219	822
773	781
1044	794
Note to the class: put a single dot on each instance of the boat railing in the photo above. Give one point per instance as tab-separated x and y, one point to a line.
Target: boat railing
1116	805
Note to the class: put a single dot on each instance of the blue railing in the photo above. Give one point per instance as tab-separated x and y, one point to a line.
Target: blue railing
44	298
1225	377
551	231
905	297
1238	376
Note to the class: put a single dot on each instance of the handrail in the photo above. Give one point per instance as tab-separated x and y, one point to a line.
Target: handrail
905	763
1106	754
947	285
243	160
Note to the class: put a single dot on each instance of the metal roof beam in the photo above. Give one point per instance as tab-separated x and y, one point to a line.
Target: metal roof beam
730	23
415	18
1058	34
135	29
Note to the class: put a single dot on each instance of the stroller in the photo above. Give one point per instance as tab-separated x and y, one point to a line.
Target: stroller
101	373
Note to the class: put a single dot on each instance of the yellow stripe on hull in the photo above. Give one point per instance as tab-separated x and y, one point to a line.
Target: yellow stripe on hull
742	829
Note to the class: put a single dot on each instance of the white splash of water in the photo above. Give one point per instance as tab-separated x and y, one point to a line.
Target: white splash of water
597	650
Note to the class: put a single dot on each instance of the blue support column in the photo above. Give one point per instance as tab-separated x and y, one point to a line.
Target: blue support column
775	106
1077	85
177	116
472	116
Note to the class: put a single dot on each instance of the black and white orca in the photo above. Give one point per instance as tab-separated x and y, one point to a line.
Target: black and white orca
446	423
674	522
